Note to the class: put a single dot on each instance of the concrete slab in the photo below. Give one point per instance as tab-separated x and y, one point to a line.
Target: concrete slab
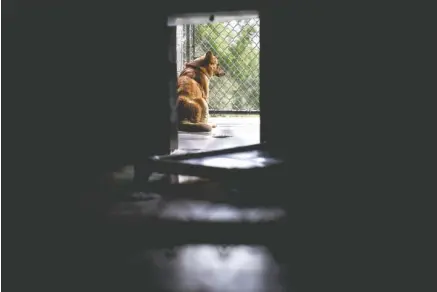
230	132
235	131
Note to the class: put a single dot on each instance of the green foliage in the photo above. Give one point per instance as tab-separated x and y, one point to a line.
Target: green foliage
239	57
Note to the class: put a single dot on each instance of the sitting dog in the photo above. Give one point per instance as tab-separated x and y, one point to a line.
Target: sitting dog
193	93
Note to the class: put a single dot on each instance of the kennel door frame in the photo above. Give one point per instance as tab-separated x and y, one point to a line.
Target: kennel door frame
201	18
213	17
172	77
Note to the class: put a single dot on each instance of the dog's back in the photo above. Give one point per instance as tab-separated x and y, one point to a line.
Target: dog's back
193	93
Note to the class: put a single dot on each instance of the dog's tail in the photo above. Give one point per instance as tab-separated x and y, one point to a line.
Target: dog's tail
194	127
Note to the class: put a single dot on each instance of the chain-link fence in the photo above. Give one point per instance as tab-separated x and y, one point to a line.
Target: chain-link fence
236	44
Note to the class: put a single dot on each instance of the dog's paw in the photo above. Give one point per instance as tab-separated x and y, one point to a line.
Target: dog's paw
213	125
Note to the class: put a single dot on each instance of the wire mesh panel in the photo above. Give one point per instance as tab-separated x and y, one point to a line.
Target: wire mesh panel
237	46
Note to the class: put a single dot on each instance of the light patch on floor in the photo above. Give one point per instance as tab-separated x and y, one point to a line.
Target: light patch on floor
230	132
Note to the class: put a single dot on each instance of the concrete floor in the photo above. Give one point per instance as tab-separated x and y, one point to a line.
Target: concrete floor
205	267
230	132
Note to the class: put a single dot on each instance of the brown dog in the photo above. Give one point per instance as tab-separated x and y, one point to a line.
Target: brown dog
193	93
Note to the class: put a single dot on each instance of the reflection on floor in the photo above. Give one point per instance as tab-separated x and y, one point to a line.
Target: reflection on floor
212	268
196	210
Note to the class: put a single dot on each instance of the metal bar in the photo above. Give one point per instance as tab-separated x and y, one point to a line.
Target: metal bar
239	112
201	18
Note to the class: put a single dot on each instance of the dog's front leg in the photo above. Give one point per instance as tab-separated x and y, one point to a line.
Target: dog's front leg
206	108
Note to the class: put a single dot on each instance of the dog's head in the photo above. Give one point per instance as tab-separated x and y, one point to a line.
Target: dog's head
209	63
212	64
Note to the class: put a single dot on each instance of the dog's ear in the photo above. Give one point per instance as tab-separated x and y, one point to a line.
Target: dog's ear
208	57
